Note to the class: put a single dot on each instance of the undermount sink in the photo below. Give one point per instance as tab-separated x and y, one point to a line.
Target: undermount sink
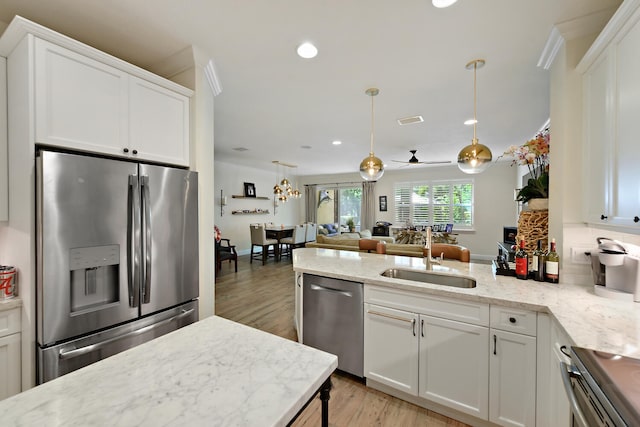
430	277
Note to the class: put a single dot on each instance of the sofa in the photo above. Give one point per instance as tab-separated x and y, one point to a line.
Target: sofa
352	242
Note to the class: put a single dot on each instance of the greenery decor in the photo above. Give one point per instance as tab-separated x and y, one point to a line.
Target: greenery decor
535	155
351	225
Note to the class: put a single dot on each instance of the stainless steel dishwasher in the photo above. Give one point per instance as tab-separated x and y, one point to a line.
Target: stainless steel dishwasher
332	319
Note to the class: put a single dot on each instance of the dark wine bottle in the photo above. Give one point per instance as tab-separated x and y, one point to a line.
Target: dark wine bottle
522	262
552	264
537	263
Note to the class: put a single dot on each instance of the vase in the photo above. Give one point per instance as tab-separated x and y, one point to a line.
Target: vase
538	204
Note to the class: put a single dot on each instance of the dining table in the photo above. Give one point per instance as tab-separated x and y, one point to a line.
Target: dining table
278	233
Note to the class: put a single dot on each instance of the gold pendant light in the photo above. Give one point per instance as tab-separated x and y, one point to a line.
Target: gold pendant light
474	158
371	168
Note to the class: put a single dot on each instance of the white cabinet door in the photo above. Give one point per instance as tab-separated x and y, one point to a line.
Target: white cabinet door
599	138
626	201
454	365
80	103
559	407
298	305
159	123
10	365
512	379
391	347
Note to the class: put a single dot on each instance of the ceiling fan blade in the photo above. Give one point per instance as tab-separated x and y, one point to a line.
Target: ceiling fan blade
436	162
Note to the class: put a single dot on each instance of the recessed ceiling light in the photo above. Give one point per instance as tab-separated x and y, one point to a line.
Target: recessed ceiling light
443	3
337	142
410	120
305	147
240	149
470	122
307	50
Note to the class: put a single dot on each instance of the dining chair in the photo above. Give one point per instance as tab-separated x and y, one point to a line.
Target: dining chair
225	251
259	238
296	240
312	230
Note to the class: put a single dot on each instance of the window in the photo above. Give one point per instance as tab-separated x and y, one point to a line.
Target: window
338	205
435	202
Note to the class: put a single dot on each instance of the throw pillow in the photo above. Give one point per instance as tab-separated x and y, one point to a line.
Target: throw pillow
331	228
365	234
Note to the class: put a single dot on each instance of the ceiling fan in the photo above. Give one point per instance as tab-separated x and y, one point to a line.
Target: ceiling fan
414	161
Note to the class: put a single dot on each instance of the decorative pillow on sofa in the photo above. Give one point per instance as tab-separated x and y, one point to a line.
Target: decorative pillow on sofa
322	230
330	228
365	234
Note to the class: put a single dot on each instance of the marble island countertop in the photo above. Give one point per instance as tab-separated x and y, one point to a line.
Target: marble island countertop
589	320
213	372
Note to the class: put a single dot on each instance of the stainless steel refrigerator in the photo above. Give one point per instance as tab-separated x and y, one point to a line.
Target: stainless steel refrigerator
117	256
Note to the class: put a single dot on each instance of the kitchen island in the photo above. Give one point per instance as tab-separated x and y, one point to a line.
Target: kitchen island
213	372
589	320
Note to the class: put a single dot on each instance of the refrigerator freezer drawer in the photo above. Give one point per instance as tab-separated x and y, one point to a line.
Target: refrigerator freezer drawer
61	359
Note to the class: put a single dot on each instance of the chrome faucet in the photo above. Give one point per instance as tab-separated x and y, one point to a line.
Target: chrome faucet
428	260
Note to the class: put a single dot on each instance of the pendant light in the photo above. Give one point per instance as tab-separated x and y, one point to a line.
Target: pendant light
474	158
371	168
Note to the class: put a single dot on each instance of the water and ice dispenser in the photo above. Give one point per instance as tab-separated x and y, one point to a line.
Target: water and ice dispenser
94	277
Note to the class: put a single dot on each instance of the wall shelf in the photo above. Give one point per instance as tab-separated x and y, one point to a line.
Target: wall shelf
255	198
253	212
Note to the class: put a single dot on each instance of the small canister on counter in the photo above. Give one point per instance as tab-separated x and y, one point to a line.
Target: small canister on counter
7	282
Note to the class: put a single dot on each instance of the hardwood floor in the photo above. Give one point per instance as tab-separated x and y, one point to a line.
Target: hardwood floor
263	297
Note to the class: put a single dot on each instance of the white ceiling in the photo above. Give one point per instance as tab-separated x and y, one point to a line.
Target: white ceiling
274	102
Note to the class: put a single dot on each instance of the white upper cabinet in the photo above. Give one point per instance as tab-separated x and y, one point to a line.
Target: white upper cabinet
627	95
159	124
611	110
87	105
80	103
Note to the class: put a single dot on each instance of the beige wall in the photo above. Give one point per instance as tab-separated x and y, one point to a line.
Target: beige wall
494	204
230	178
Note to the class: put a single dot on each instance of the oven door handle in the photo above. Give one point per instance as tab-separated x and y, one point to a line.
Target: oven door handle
567	372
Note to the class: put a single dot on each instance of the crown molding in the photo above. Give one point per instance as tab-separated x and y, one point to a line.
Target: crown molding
572	29
616	26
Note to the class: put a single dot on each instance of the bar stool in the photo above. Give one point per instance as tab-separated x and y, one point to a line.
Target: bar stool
259	238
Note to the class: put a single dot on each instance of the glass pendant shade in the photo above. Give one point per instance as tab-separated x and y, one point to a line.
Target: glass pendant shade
474	158
371	168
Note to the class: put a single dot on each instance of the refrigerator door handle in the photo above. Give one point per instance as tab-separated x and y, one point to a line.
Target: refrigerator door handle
146	229
70	354
133	239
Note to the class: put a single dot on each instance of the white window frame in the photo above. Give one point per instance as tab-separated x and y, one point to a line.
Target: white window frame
411	204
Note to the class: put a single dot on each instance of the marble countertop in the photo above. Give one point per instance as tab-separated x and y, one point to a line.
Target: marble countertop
8	304
589	320
213	372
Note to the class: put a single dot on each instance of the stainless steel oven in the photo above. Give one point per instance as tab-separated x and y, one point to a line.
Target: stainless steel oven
603	388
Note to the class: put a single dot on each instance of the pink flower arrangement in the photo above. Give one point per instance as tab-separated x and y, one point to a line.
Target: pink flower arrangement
535	154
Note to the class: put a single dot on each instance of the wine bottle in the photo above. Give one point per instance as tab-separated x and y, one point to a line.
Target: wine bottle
537	263
552	264
522	262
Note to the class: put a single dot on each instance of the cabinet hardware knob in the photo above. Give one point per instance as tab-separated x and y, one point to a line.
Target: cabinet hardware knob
603	217
135	151
563	350
413	326
422	328
636	219
512	319
495	339
125	150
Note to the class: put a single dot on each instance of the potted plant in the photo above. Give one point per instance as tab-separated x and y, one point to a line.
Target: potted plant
535	155
351	225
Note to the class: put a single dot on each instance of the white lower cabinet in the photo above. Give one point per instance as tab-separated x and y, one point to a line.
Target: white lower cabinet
442	360
454	365
297	317
391	347
512	383
10	343
552	401
477	359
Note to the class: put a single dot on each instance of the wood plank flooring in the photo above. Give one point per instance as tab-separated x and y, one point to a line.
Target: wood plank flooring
263	297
